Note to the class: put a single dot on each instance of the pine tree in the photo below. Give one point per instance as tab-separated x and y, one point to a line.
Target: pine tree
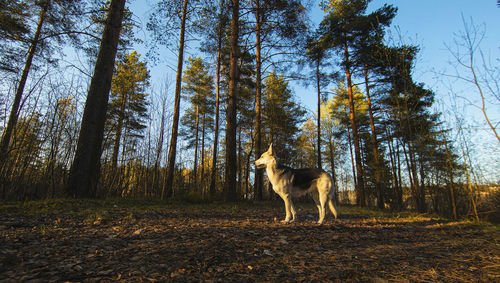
13	28
344	29
198	87
231	113
55	20
127	111
339	109
279	25
97	22
306	152
331	130
213	28
161	22
407	104
282	116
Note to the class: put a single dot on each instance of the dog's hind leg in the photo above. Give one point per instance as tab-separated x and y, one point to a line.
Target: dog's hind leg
323	197
315	196
292	210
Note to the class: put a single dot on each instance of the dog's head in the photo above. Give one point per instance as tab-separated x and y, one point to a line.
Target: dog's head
266	158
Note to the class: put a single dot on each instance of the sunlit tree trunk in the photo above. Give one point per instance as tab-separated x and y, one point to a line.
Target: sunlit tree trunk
168	188
360	188
195	165
318	87
378	184
332	164
353	164
202	173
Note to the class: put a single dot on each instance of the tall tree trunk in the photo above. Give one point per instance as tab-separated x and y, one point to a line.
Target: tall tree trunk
195	165
421	192
469	185
216	130
397	201
411	172
119	126
54	149
259	180
159	148
231	123
420	196
466	169
400	178
332	164
168	189
318	87
247	171
452	183
378	169
145	169
84	171
202	173
353	164
240	166
360	188
14	112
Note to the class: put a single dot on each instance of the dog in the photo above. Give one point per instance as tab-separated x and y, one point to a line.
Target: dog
289	182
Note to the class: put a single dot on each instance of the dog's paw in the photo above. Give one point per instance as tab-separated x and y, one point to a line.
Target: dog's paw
285	221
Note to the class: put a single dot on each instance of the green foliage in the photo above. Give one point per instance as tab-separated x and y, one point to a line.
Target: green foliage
97	22
199	89
306	155
18	23
283	23
281	116
13	27
128	106
339	106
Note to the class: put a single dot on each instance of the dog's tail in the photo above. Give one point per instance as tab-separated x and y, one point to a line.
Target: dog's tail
333	207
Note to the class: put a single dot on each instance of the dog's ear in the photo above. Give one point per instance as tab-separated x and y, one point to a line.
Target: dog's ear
270	150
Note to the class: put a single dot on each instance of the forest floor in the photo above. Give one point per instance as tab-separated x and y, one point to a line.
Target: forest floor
83	240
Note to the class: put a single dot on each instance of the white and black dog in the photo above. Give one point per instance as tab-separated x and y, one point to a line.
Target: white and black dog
289	182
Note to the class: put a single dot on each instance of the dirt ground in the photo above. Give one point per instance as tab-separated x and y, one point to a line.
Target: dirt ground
238	243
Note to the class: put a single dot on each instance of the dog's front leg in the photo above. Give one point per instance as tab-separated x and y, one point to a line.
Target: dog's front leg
288	208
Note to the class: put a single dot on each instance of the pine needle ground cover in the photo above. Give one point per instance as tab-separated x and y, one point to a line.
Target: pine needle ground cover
80	240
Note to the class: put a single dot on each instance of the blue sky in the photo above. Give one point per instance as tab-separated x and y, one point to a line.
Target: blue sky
427	23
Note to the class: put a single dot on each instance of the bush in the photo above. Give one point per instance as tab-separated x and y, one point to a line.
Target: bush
489	207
